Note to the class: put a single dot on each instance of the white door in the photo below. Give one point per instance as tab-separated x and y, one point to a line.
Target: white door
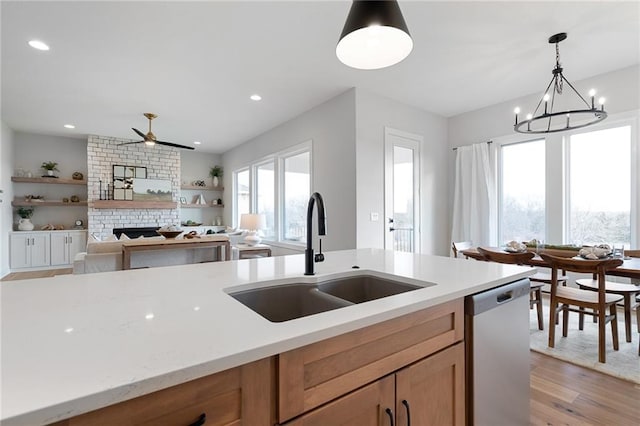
402	190
59	248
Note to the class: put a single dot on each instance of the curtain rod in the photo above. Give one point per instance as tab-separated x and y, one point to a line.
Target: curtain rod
488	142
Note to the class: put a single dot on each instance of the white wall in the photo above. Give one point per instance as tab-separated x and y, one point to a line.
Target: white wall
373	113
30	151
330	127
6	212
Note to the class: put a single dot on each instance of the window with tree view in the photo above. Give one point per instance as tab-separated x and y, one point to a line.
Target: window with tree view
599	203
522	191
297	184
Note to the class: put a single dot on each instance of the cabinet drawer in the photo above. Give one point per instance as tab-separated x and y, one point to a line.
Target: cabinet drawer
239	396
320	372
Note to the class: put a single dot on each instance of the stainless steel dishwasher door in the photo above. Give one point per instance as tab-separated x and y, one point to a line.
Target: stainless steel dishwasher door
497	337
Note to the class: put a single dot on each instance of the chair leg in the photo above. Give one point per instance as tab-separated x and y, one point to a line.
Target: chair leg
565	320
614	326
601	335
581	319
553	315
538	292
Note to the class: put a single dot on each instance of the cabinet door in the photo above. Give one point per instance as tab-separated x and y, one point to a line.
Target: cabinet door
77	243
372	406
432	391
40	249
20	249
59	248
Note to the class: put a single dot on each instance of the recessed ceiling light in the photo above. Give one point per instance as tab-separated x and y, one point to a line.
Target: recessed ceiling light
256	97
69	126
37	44
197	142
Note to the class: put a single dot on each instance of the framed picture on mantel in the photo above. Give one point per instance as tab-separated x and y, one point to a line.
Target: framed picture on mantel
123	180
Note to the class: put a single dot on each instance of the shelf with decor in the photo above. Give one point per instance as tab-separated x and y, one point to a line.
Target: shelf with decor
47	203
203	188
117	204
48	180
200	206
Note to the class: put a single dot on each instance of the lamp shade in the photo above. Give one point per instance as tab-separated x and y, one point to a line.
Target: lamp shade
252	222
374	36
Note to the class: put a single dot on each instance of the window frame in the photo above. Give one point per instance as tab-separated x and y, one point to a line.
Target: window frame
278	160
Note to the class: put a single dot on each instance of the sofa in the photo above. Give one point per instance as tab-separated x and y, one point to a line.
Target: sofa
105	256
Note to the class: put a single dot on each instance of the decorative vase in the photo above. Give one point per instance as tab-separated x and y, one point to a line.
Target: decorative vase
215	181
25	224
50	172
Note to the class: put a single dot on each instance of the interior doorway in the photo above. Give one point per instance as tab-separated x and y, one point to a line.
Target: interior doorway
402	190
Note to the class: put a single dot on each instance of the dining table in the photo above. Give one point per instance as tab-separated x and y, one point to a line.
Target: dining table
630	268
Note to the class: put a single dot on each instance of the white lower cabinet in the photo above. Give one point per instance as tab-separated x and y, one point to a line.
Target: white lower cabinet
44	249
65	246
29	249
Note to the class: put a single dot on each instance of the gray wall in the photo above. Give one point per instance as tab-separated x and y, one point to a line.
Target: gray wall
373	114
6	212
330	127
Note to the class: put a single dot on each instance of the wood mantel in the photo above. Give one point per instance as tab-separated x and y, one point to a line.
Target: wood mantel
117	204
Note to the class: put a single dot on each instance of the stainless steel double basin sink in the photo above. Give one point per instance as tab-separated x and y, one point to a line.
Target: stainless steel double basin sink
290	301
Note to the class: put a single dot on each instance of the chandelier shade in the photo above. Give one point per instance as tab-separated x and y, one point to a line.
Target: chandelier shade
374	36
578	114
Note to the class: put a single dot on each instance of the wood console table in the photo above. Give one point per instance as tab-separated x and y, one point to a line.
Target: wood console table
251	252
215	242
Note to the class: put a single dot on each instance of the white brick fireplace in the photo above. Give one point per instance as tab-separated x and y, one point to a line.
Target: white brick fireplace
161	163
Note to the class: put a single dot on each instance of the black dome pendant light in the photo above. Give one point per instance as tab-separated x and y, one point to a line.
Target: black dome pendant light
374	36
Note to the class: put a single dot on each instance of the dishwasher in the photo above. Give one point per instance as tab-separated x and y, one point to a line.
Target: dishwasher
497	351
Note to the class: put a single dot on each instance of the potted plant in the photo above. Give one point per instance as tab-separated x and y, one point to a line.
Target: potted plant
50	166
216	175
25	213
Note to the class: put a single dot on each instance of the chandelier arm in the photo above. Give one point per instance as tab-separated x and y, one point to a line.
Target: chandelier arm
576	92
553	100
545	92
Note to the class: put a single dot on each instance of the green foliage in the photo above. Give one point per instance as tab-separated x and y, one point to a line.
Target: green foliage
215	171
25	212
50	165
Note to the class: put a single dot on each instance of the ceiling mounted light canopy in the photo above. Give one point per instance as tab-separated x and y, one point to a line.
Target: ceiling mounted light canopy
374	36
567	119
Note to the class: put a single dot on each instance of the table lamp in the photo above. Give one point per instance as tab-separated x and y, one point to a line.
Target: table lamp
252	223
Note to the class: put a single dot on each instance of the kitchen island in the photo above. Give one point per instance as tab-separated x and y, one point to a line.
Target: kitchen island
76	343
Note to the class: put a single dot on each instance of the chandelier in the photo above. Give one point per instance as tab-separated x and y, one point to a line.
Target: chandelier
551	121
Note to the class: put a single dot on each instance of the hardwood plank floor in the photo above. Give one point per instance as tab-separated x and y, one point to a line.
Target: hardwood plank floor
14	276
567	394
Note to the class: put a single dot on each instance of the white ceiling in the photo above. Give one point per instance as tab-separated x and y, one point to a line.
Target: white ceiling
195	64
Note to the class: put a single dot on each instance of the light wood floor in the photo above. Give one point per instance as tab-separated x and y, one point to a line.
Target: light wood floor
567	394
14	276
561	393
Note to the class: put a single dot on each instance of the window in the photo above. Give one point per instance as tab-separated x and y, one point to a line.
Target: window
599	202
279	188
242	193
297	185
522	191
265	201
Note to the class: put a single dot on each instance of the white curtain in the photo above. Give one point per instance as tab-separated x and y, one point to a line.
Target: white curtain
474	206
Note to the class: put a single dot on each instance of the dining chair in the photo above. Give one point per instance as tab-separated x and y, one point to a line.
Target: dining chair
535	290
459	246
636	253
565	299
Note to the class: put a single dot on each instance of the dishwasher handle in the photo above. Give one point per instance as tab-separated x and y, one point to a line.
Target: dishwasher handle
482	302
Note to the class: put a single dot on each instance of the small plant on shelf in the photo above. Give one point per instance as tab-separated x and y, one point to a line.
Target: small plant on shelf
50	167
25	212
216	174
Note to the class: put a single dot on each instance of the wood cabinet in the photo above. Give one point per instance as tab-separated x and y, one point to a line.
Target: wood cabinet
29	249
239	396
65	246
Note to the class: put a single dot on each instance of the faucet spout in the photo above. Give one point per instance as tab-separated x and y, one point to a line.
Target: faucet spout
309	258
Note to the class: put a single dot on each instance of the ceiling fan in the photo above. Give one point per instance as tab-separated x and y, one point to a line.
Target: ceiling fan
150	138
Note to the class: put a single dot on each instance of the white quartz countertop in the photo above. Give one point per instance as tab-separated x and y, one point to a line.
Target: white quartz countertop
75	343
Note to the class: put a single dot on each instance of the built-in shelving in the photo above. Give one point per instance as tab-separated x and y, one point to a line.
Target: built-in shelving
200	206
203	188
49	180
48	203
117	204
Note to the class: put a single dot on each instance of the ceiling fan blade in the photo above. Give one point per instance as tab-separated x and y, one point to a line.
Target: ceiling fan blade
142	135
128	143
175	145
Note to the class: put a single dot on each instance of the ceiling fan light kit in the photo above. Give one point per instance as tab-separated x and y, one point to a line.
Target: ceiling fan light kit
548	121
374	36
150	139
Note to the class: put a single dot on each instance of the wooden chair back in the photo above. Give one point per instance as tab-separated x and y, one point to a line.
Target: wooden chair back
459	246
504	257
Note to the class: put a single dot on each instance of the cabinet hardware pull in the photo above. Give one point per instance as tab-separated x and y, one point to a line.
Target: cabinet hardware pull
406	405
66	240
390	414
201	420
70	239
